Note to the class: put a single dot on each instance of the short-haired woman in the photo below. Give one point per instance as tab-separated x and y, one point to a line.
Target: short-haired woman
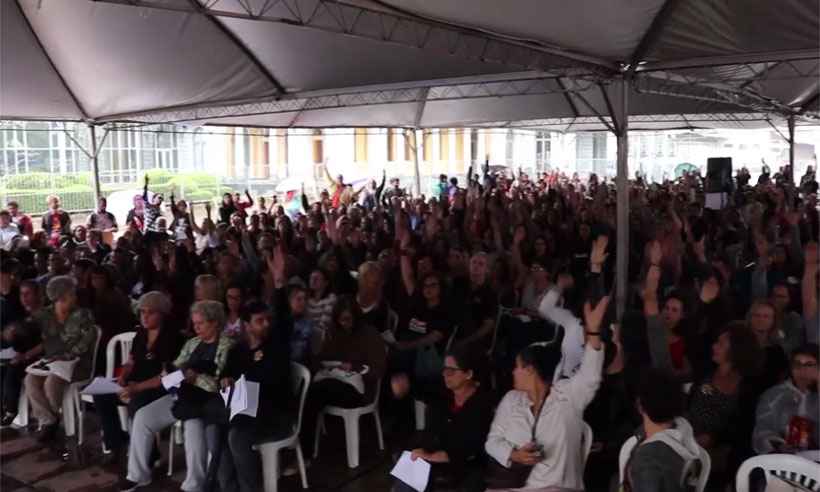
540	424
202	361
68	333
458	426
153	349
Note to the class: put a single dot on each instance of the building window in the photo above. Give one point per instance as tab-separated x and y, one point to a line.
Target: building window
543	146
318	147
444	145
428	146
361	145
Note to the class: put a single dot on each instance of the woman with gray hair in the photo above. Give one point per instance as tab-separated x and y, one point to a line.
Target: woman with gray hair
201	361
68	333
152	351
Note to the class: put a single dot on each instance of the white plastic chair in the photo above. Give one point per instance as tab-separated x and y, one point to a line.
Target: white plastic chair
586	441
73	404
300	379
124	341
703	457
175	437
392	320
351	418
785	466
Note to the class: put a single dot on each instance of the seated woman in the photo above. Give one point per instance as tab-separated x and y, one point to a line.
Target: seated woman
538	426
153	349
792	400
261	358
721	407
354	345
68	333
294	328
24	337
424	329
663	458
458	426
207	349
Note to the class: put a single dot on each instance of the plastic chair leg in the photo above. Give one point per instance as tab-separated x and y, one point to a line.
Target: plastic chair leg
300	460
379	434
171	453
270	468
69	413
22	410
420	411
352	440
320	424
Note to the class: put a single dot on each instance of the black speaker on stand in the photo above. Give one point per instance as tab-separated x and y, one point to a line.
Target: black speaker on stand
718	182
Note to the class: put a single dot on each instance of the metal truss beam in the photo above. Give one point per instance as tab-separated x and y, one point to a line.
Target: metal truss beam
388	27
744	59
297	103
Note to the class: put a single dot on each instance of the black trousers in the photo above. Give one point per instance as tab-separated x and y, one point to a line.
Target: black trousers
240	468
107	406
326	392
12	384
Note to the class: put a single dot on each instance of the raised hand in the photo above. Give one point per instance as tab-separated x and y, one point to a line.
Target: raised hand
599	255
593	316
810	256
654	252
709	290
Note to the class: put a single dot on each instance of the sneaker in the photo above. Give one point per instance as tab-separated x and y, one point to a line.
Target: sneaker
7	419
129	486
293	468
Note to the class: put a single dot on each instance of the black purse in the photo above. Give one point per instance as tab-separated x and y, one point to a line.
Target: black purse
499	476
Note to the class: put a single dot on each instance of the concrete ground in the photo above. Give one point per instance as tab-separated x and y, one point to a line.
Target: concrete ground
28	466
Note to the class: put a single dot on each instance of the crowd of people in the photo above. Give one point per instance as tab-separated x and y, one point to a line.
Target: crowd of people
489	302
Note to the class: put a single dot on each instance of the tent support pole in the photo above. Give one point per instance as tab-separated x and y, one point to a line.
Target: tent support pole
95	163
621	119
791	147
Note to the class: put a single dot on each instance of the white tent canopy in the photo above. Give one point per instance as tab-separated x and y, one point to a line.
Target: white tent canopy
410	63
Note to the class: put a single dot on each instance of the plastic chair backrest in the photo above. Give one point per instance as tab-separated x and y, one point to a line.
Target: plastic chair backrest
792	468
300	382
94	355
705	468
502	311
452	338
392	321
586	441
124	341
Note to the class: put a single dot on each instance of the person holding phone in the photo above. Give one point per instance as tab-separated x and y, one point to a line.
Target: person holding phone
539	424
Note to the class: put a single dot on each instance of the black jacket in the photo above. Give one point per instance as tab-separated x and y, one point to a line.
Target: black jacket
268	365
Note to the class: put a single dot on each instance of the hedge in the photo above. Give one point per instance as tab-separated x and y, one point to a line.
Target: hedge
77	192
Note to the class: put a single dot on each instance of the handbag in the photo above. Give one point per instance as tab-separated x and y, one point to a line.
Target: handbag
499	476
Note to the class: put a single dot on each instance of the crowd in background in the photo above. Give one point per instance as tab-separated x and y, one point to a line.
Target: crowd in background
488	301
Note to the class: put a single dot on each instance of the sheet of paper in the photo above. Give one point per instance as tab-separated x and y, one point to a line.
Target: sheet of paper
63	369
102	386
172	380
413	473
8	353
245	400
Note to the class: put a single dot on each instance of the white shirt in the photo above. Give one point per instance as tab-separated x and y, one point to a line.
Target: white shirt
560	427
572	346
7	235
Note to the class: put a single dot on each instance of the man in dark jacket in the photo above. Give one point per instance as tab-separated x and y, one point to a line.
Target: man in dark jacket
261	358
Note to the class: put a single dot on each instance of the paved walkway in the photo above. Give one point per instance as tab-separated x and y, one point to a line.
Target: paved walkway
27	466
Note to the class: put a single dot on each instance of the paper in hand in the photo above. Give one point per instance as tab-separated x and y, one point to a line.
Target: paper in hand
102	386
245	399
172	380
8	353
416	474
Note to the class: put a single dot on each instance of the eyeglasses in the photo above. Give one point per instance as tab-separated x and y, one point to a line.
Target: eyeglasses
431	285
799	365
449	371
